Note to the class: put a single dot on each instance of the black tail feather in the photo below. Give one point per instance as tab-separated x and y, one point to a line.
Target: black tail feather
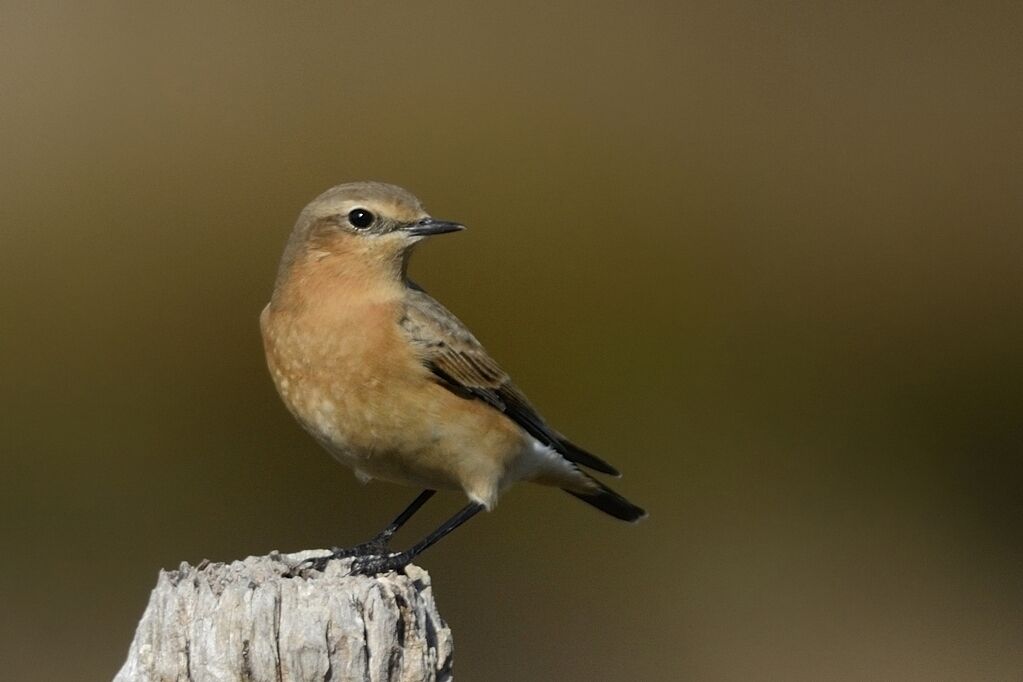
610	502
574	453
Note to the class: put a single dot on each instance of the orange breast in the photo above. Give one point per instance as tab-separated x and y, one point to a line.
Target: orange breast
346	370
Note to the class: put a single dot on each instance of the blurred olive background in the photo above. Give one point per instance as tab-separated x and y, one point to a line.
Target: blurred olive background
764	257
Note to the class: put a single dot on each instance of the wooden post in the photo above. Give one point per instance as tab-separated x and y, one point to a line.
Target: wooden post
253	620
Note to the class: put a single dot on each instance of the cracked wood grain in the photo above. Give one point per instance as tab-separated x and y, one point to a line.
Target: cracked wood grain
252	620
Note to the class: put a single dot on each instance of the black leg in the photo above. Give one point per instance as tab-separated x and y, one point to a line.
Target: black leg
371	565
378	545
385	535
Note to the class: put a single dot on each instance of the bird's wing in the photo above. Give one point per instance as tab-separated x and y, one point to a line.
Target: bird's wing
462	365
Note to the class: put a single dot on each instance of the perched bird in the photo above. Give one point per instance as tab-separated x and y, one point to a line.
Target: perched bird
391	383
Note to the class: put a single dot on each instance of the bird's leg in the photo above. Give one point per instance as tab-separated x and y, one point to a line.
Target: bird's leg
384	536
375	547
371	565
378	545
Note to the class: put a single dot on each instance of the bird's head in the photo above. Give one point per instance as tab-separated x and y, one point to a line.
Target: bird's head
368	221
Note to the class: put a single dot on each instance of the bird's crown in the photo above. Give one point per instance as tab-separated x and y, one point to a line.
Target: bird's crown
373	199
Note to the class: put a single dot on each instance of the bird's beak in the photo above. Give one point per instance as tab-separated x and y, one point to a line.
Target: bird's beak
430	226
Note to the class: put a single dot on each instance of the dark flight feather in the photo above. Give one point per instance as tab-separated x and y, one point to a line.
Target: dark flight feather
462	366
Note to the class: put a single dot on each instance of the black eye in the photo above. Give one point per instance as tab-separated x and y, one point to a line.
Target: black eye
361	218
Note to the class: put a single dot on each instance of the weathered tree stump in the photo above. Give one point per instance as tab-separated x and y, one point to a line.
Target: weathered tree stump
254	620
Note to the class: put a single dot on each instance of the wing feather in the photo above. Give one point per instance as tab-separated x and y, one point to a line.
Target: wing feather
462	365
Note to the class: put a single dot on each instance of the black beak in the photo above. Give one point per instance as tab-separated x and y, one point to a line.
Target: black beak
429	226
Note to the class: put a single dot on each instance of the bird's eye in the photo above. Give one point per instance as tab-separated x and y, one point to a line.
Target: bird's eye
361	218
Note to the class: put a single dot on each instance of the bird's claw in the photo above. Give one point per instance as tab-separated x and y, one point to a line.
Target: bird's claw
371	548
317	563
375	565
374	549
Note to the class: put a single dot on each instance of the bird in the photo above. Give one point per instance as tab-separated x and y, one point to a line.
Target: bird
392	384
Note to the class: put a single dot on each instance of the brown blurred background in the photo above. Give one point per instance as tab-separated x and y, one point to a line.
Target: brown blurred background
764	257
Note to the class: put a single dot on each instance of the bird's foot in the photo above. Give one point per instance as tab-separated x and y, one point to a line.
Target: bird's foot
317	563
374	565
373	549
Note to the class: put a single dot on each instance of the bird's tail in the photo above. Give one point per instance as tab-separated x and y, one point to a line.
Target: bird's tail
608	501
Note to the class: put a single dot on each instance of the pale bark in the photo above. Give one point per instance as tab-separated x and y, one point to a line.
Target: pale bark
252	620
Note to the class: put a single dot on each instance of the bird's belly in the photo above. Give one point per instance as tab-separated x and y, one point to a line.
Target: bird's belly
421	436
397	430
391	420
365	426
